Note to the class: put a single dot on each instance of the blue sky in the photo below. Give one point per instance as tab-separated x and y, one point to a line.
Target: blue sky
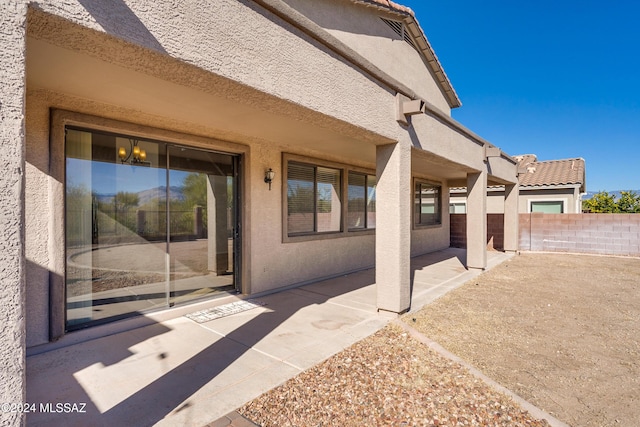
110	178
557	79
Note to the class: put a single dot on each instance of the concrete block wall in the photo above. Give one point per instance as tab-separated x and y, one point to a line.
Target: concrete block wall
524	232
495	231
458	225
603	234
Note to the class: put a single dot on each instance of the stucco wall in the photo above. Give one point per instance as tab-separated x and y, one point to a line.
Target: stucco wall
12	310
362	30
495	202
292	77
275	264
234	78
495	199
502	168
237	40
269	263
434	136
38	239
568	195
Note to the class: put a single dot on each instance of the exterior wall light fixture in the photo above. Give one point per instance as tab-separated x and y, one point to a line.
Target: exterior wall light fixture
136	155
268	177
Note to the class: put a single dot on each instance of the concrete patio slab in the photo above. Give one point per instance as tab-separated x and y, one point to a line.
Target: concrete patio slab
179	372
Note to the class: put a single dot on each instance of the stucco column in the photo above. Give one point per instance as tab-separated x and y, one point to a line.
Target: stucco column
12	160
477	220
511	217
393	227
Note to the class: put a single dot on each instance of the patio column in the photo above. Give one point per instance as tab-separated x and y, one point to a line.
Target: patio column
477	220
511	217
393	227
12	252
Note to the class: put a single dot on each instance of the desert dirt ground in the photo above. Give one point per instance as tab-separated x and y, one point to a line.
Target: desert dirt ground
562	331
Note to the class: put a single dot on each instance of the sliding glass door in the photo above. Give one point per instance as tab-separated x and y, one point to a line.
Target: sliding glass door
202	223
148	225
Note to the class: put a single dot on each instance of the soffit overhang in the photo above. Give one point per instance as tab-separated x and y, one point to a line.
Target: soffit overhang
147	86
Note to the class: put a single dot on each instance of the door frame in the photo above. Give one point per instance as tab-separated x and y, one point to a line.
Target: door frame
236	255
60	119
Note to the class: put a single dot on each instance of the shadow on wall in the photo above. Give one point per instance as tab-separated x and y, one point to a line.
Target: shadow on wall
115	17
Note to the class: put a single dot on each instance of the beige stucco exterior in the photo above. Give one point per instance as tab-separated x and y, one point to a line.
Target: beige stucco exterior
266	81
570	196
378	43
12	190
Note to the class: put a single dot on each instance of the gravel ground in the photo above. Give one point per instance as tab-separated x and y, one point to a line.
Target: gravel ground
562	331
387	379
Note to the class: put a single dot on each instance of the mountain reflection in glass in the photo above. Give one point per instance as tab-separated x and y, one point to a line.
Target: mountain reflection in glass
137	233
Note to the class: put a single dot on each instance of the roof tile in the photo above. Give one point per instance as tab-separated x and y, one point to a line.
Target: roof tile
550	172
392	5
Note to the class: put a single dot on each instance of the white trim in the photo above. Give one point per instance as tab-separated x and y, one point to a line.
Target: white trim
462	202
563	201
548	187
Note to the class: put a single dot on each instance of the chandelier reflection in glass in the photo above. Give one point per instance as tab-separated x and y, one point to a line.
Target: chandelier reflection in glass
135	156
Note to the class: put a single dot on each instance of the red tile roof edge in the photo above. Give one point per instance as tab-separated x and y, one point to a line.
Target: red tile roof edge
391	5
557	172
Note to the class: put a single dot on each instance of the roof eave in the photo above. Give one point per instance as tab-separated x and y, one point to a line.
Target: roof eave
432	60
408	17
550	186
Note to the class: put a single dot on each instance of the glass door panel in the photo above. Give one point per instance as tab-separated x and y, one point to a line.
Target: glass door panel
202	223
145	228
115	227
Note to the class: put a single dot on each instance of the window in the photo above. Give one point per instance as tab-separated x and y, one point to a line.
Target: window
314	199
457	208
547	206
362	201
427	204
145	231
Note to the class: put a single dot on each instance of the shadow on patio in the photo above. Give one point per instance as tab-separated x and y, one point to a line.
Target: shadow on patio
180	372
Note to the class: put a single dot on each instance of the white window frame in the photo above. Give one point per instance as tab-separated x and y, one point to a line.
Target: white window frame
463	203
532	201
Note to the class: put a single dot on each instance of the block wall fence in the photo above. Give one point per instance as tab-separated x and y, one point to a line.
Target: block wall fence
602	234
